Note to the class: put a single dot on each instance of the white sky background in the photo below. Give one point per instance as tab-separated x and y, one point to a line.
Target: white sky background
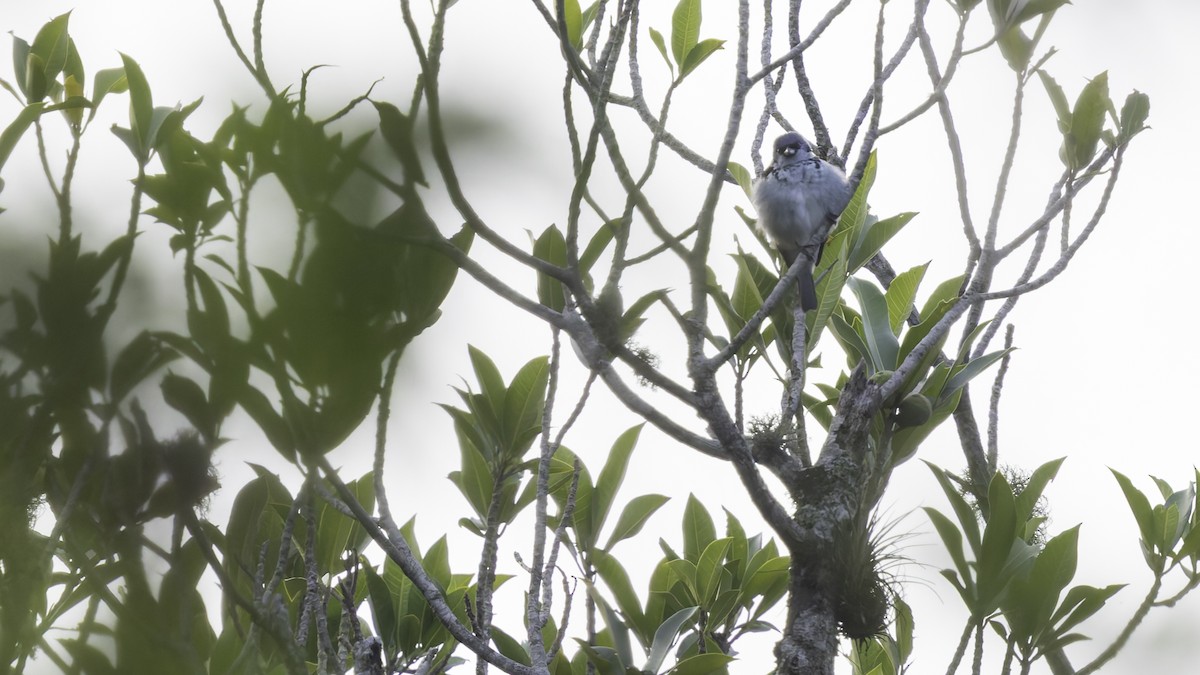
1104	366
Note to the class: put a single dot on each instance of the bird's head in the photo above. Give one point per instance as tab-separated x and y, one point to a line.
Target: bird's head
791	148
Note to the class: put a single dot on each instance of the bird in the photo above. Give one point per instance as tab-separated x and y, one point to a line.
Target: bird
798	198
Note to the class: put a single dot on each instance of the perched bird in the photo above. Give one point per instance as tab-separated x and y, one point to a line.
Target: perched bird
798	199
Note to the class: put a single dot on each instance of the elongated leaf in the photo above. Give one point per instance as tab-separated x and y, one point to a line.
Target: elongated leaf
1038	480
709	570
491	383
698	529
701	664
141	105
596	246
657	38
698	54
611	476
664	637
742	175
1134	114
573	19
617	580
685	29
874	237
523	405
105	82
15	129
882	345
962	376
952	540
902	293
551	246
1034	8
1087	121
51	49
634	516
1140	506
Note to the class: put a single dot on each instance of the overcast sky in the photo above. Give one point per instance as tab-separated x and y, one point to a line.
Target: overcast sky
1106	363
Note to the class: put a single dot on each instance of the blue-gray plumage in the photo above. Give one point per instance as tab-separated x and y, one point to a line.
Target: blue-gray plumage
798	199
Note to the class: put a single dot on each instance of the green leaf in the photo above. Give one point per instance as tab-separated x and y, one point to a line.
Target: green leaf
383	608
1016	47
572	18
1034	8
184	395
634	516
698	54
397	131
141	106
608	482
709	570
617	580
1142	513
524	403
952	540
15	129
276	429
854	216
137	361
964	374
596	246
665	636
105	82
1087	122
701	664
874	236
474	480
50	51
1062	108
742	175
698	529
657	38
491	384
881	342
685	29
967	517
902	294
1134	114
551	246
1032	492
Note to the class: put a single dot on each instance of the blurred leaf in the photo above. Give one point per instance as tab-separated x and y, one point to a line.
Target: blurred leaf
50	50
551	247
13	132
105	82
137	361
141	106
397	131
1134	114
1087	121
184	395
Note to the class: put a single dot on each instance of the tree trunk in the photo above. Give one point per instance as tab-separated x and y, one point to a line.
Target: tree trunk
831	497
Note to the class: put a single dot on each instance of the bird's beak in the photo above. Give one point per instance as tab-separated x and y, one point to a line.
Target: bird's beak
788	152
